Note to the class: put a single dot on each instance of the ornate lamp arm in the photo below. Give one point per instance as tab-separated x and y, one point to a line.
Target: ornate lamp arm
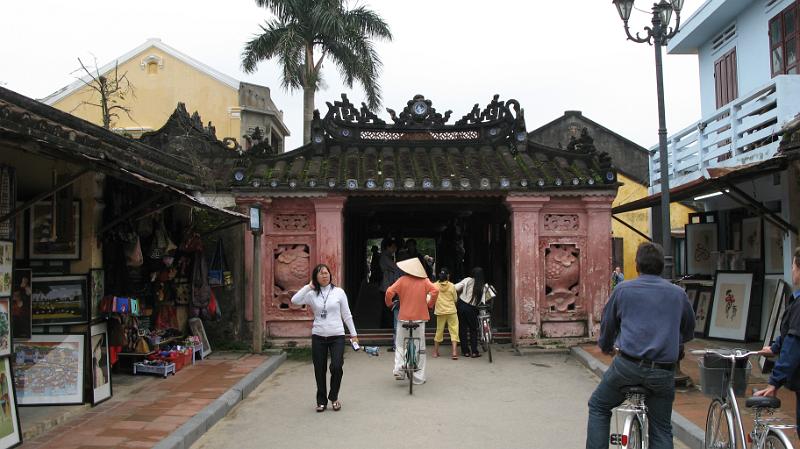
673	31
639	39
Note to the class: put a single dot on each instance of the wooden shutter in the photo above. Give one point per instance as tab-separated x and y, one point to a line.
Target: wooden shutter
725	79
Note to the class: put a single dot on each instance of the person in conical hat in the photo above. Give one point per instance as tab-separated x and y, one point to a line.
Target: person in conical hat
416	294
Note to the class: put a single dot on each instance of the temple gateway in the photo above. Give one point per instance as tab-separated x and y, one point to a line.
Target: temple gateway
475	192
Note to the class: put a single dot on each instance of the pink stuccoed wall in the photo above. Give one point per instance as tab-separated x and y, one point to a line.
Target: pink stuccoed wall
580	224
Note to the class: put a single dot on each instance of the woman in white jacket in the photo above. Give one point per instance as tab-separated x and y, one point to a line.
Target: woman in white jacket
471	292
331	313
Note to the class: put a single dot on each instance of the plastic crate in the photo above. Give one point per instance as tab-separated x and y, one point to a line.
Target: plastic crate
712	379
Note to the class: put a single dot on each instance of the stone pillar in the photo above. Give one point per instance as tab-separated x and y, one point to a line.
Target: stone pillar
526	274
330	234
598	270
266	262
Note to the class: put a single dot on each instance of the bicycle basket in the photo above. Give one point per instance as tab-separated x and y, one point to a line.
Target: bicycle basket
714	371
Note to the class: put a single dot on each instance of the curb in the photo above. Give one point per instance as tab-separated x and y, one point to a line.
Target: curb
682	428
184	436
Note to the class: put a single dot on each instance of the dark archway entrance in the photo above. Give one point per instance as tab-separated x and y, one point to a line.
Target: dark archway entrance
466	232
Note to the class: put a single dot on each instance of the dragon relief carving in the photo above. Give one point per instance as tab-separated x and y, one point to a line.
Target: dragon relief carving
291	222
561	222
291	273
562	277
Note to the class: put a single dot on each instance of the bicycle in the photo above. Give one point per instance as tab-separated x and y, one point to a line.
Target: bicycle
635	427
485	325
411	344
724	421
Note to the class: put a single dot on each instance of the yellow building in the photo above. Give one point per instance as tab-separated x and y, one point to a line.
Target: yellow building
631	162
162	77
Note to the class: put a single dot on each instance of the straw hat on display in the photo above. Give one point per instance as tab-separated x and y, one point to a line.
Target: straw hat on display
413	267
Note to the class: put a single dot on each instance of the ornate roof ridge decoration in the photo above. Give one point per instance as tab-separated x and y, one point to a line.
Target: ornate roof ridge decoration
181	126
499	122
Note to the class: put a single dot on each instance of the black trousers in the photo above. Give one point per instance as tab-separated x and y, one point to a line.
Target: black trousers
320	348
467	327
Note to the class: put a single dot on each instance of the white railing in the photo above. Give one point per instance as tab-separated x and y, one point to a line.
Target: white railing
743	131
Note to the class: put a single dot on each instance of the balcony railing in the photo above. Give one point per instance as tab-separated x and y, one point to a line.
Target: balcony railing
743	131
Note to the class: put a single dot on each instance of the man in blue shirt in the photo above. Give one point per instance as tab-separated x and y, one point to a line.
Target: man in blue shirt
646	320
787	345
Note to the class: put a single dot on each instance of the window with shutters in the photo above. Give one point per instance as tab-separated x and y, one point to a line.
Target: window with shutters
783	41
725	80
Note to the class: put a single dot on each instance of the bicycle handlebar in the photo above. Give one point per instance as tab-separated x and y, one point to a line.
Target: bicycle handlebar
728	353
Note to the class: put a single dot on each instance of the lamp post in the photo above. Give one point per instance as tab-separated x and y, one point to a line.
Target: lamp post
658	36
255	228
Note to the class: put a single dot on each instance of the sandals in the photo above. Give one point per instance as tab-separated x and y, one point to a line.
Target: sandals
321	408
454	357
435	355
475	354
466	354
336	406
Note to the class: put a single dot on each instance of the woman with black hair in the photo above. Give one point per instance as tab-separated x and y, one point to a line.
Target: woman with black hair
472	292
331	313
446	312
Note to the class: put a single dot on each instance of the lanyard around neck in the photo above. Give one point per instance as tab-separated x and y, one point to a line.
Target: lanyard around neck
325	296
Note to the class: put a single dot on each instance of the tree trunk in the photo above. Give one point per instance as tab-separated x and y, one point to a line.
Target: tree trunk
308	112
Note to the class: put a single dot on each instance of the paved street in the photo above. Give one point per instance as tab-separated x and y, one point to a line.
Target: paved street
516	402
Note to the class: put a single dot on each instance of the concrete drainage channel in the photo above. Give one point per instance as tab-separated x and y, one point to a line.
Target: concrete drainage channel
682	428
184	436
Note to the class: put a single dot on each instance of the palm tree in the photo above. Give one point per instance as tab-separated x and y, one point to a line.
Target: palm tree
302	26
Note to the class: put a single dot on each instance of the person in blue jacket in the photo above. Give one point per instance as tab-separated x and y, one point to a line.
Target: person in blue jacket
787	345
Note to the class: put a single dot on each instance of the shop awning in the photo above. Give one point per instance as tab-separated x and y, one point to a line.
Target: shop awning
722	179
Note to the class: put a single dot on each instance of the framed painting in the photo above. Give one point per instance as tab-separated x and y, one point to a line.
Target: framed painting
197	329
773	248
50	237
5	327
59	300
728	319
6	266
100	363
10	433
701	244
751	238
702	306
8	195
767	298
96	290
49	369
691	293
21	304
780	296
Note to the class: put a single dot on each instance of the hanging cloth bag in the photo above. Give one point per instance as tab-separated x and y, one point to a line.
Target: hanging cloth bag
201	291
217	266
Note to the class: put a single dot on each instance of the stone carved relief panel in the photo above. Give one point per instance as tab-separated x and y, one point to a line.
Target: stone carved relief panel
291	271
562	278
561	222
291	222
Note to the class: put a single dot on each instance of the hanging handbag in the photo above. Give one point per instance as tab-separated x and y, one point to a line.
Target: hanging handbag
216	267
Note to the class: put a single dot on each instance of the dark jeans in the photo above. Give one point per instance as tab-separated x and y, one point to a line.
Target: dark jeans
467	327
320	346
606	396
797	411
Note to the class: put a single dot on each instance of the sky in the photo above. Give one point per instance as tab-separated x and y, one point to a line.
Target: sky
551	56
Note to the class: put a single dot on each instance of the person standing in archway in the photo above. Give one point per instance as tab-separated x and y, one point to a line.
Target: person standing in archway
472	292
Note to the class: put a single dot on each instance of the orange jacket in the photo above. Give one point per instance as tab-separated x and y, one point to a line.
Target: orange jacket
412	292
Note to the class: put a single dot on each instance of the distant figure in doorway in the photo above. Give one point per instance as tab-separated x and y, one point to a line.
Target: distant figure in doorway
331	312
390	273
472	292
617	277
410	251
375	273
416	295
446	312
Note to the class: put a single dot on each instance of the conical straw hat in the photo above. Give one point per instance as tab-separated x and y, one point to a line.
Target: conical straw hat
413	267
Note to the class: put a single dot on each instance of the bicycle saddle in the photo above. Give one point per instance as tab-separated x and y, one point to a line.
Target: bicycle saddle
634	389
762	402
410	325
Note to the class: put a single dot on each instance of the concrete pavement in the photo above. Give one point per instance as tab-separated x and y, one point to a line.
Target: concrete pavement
529	401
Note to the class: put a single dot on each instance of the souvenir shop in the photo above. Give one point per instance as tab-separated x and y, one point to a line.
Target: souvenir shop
103	269
734	255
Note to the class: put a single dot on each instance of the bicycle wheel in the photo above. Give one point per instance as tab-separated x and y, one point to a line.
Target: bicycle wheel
773	441
488	333
635	435
411	366
719	427
484	336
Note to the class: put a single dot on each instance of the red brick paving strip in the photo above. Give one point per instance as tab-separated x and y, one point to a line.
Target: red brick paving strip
141	421
692	404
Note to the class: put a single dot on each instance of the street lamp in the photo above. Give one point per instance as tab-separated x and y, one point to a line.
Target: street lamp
658	36
256	229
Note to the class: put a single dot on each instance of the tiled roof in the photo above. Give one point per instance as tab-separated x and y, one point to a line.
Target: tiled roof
486	150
